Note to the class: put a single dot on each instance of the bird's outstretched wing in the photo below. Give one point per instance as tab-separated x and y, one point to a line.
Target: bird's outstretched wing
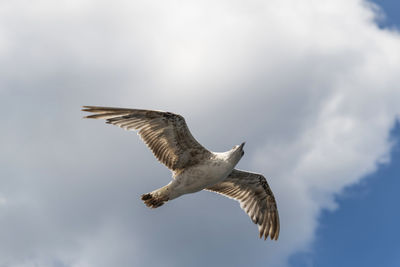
255	197
165	133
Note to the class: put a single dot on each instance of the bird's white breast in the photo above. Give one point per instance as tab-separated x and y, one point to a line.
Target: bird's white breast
202	175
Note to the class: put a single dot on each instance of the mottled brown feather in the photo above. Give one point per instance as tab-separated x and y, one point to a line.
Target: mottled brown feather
165	133
255	198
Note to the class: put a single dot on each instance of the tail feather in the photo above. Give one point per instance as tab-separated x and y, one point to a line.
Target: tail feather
153	201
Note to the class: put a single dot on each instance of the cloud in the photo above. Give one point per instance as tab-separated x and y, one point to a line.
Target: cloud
311	87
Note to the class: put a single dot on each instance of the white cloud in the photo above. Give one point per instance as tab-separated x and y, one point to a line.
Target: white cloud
311	86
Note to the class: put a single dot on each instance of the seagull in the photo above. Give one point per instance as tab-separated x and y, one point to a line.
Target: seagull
194	168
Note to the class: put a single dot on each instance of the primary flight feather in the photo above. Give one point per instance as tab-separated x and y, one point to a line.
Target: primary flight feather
194	167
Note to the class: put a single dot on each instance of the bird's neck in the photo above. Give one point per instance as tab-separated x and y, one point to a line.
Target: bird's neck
228	156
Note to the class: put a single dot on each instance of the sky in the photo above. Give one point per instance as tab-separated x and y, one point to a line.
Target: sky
371	238
311	86
390	10
364	230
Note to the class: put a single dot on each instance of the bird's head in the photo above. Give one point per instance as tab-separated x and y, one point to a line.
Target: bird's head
238	152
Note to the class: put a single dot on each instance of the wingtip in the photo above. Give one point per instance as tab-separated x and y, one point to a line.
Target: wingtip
87	108
99	113
272	234
275	236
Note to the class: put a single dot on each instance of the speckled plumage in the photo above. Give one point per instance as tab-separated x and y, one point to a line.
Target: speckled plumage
194	167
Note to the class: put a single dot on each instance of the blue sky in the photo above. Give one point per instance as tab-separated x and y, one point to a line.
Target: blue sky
311	86
364	230
391	10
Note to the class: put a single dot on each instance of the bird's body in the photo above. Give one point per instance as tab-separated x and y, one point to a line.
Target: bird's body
195	168
212	171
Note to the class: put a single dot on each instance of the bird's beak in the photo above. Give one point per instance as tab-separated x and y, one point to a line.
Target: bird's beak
242	145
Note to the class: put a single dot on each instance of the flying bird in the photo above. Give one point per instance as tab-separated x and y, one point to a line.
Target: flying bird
194	168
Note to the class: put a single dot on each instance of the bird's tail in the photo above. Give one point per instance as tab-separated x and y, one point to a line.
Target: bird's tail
154	200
